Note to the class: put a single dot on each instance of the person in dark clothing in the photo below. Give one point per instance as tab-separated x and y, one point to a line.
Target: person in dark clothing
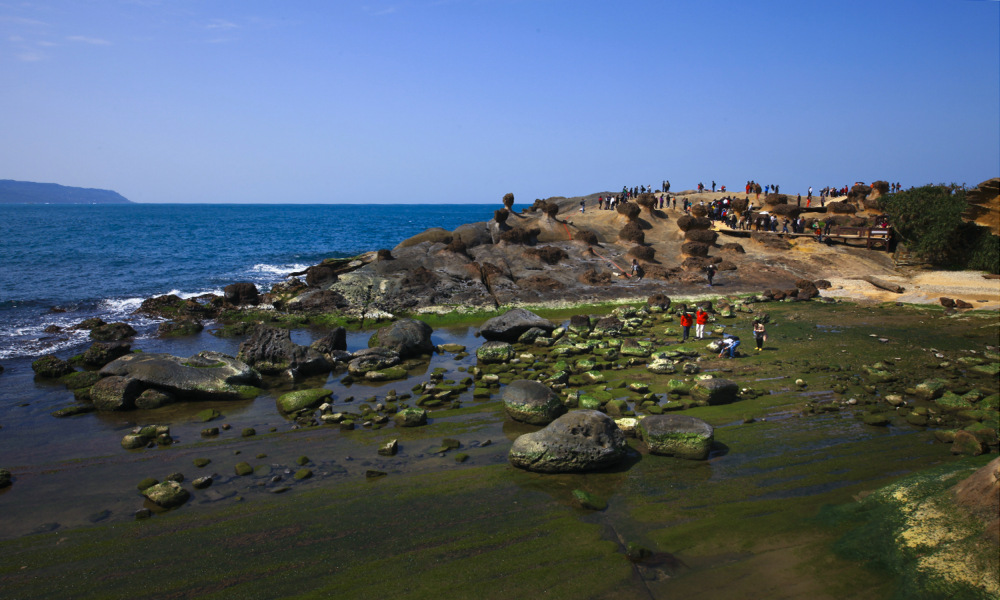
759	334
710	273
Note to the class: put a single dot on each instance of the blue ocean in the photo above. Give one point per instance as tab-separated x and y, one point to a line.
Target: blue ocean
62	264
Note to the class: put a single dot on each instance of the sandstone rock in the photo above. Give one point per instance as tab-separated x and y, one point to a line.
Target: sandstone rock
582	440
531	402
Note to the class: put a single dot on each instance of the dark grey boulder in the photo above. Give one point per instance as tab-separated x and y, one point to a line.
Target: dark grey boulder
116	393
582	440
677	435
332	342
153	398
408	337
51	367
101	353
204	376
271	351
242	293
112	332
372	359
715	391
510	325
317	301
531	402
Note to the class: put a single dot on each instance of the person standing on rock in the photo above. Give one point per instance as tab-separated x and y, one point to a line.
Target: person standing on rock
700	318
710	273
759	334
685	326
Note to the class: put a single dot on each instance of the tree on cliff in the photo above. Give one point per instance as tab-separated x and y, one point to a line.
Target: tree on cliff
929	220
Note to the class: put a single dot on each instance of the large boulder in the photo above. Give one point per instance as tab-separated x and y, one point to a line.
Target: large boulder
318	301
531	402
112	331
582	440
335	341
510	325
677	435
101	353
204	376
116	393
271	351
715	391
408	337
372	359
242	293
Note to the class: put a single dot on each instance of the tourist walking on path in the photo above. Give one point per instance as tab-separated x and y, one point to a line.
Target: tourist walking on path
700	318
759	334
685	326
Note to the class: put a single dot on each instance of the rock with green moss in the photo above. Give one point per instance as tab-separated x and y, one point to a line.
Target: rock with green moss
168	494
495	352
147	483
388	374
679	386
204	376
631	347
302	474
531	402
875	419
715	391
80	379
930	389
51	367
410	417
589	501
579	441
661	366
677	435
72	411
992	369
967	444
302	399
202	462
207	415
154	398
389	448
953	402
243	469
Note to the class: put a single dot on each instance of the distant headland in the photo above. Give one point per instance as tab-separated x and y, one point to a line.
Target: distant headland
27	192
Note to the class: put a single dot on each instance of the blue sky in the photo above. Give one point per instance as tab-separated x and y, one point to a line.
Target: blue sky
465	100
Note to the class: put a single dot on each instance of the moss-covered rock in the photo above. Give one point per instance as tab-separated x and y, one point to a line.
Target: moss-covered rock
715	391
410	417
303	399
930	389
677	435
531	402
51	367
495	352
589	501
168	494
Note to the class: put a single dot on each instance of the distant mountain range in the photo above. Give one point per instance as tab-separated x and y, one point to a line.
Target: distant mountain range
27	192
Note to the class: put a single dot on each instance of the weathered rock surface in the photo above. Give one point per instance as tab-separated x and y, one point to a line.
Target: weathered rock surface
204	376
372	359
510	325
167	494
51	367
715	391
112	332
531	402
302	399
407	337
495	352
271	351
582	440
677	435
242	293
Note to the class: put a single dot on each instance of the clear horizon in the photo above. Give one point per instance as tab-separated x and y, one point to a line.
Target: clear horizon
462	101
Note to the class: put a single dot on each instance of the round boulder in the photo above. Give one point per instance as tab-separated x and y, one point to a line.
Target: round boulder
408	337
510	325
242	293
495	352
677	435
531	402
582	440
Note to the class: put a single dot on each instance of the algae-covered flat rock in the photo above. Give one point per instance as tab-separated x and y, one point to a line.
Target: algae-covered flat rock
582	440
51	367
677	435
167	494
302	399
531	402
204	376
930	389
715	391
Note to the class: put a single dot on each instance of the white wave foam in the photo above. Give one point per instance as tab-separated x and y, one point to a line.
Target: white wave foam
186	295
278	269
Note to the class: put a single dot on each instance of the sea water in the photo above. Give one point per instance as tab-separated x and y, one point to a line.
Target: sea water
62	264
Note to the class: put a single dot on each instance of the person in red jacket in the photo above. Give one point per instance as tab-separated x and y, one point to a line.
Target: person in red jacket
700	318
685	325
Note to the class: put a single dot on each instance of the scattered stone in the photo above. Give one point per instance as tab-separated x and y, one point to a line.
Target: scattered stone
410	417
509	326
243	469
202	482
248	432
302	474
389	448
292	402
495	352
